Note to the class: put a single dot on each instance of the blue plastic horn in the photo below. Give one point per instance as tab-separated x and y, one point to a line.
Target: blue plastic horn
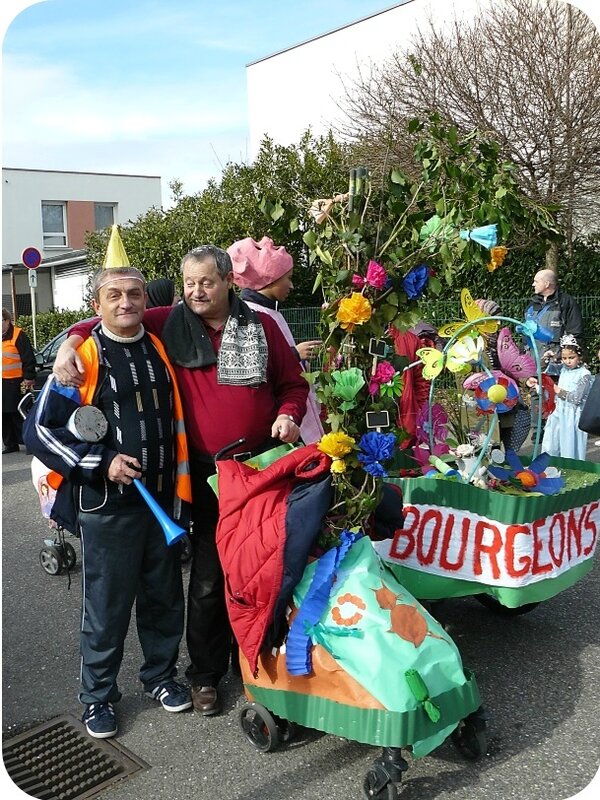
173	533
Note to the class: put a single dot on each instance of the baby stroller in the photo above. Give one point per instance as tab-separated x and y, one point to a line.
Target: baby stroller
57	554
335	644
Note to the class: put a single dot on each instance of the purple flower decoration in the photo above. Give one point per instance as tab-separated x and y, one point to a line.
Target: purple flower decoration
439	424
375	447
415	281
421	453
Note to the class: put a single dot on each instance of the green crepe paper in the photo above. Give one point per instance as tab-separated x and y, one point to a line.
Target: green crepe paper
261	461
426	586
378	727
379	659
417	686
505	508
347	384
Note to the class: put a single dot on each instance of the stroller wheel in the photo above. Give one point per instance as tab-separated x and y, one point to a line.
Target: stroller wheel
51	560
378	785
186	549
70	555
259	727
470	737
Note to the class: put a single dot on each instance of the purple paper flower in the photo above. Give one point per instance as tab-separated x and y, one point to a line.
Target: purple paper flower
375	447
415	281
439	424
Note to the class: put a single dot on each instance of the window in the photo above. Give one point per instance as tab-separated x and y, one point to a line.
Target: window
104	215
54	229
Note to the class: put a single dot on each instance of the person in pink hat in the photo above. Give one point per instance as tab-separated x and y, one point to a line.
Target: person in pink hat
263	271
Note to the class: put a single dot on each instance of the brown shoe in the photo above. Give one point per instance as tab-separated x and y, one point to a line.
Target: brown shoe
205	700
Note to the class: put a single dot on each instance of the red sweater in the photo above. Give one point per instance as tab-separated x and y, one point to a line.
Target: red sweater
216	415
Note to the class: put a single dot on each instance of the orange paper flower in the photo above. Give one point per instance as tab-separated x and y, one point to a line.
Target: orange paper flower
353	310
497	256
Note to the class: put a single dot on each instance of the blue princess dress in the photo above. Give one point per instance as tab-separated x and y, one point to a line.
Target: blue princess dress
562	436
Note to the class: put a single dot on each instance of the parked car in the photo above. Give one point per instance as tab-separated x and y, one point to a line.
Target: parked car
46	356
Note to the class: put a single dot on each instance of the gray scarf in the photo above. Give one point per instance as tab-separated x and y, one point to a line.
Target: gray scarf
243	355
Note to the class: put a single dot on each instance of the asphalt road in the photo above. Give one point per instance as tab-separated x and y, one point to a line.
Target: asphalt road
539	676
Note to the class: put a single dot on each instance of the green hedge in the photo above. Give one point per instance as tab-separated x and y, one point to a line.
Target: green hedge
49	324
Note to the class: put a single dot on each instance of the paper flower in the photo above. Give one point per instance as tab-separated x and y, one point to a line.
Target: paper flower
496	395
376	275
531	328
422	453
375	447
336	446
415	281
353	310
358	280
439	424
497	256
486	236
465	352
384	373
346	385
531	478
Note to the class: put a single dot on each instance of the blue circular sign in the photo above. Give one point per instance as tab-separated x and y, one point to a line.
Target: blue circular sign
31	257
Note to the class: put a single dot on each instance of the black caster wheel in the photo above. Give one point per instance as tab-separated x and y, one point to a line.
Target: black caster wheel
51	560
259	727
185	551
70	555
378	785
470	737
493	605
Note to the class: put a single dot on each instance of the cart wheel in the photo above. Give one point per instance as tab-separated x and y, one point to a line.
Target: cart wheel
260	727
378	785
51	560
494	605
287	730
70	555
470	736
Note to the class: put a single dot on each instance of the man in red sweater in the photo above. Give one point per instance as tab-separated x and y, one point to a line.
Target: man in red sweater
238	380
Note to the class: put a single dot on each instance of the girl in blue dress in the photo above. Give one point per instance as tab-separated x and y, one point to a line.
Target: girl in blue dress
562	436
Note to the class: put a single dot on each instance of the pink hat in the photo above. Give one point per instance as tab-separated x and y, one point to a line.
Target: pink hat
257	264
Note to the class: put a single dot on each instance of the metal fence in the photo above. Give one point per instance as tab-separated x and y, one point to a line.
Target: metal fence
304	321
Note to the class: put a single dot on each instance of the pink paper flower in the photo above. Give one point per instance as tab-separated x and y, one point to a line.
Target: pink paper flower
384	373
358	280
376	275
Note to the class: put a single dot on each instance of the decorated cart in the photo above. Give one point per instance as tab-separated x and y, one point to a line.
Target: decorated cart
343	645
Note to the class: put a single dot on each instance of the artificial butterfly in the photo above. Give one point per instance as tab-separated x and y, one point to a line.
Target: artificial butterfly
458	358
473	313
515	364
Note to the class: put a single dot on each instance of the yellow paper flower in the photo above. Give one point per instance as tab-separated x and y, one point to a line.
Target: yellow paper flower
497	256
338	466
353	310
336	445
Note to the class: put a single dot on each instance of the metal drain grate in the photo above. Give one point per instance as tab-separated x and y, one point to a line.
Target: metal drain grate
59	761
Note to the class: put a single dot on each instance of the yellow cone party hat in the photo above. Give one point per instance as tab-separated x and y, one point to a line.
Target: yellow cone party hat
115	252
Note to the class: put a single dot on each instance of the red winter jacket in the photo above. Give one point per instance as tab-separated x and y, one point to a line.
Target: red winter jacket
251	537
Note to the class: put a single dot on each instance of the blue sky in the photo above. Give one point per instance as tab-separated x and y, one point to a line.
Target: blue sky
144	86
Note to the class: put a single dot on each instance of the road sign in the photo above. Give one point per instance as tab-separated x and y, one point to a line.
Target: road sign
32	275
31	257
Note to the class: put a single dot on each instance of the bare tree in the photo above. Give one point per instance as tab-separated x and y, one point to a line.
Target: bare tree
526	73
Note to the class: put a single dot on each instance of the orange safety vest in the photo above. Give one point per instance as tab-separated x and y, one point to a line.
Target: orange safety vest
12	366
89	355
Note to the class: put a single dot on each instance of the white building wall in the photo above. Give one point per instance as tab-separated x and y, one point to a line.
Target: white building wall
24	190
297	88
